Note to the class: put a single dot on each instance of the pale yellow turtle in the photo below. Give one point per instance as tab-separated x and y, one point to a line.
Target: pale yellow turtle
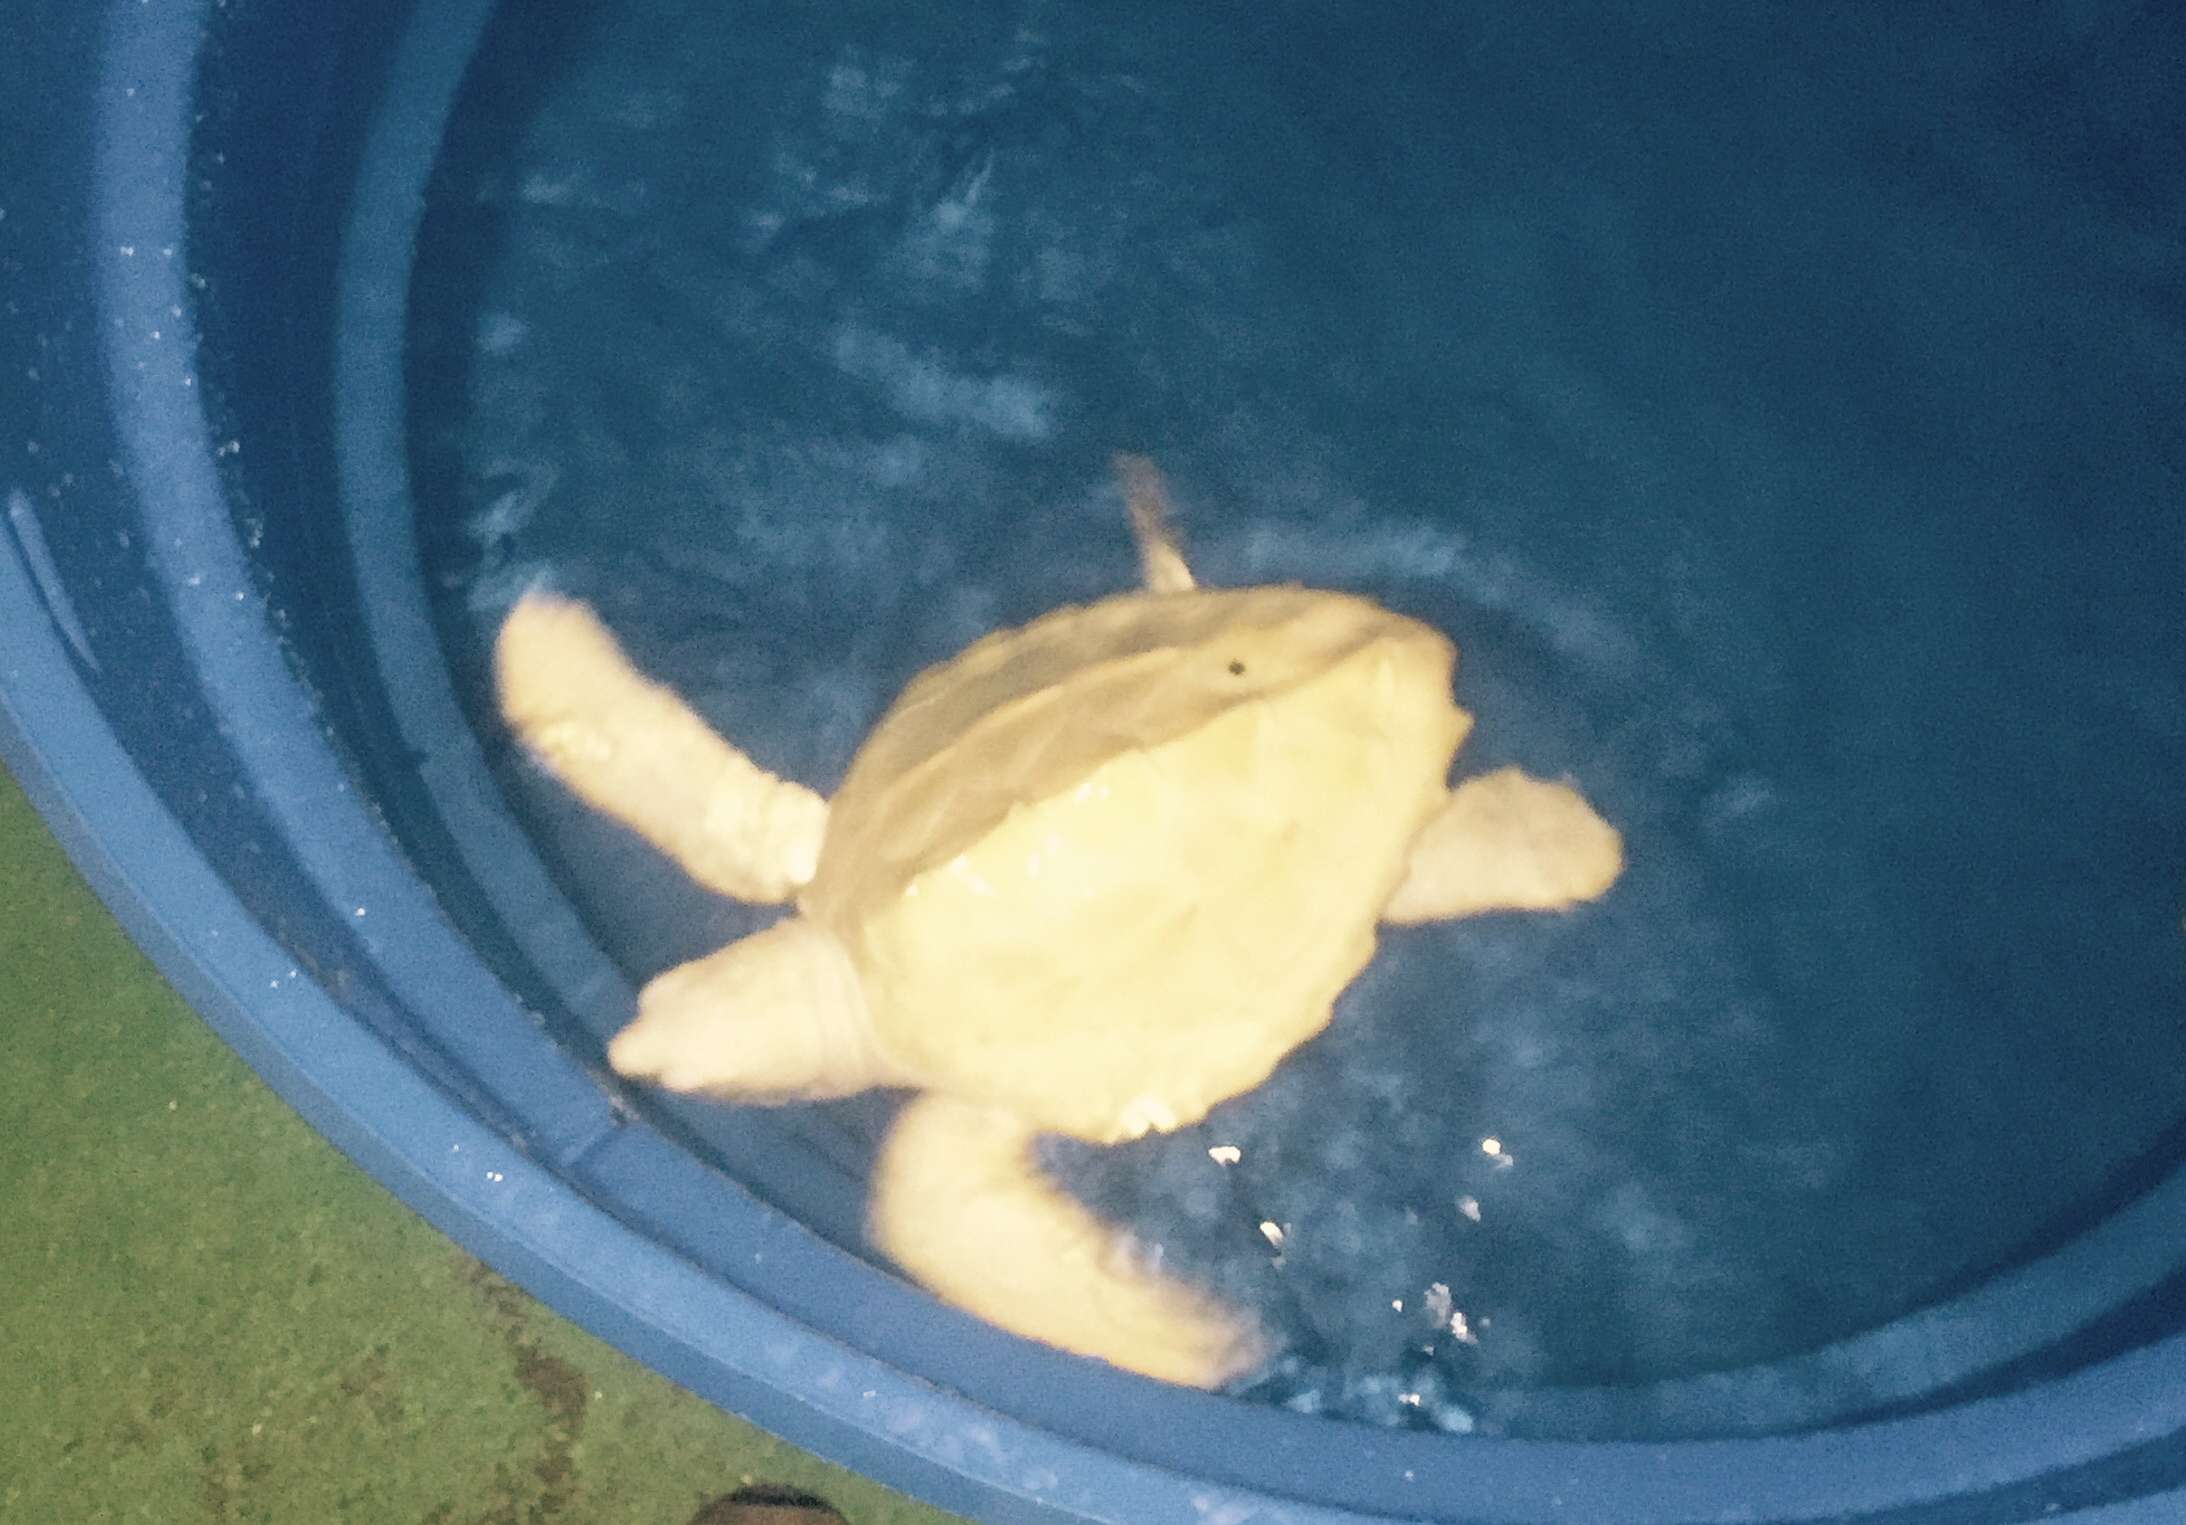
1091	876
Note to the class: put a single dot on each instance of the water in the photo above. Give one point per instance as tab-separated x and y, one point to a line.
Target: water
1779	407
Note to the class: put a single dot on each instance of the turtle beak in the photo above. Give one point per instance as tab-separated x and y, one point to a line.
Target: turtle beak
774	1016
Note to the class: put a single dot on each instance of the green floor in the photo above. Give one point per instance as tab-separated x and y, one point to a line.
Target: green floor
209	1315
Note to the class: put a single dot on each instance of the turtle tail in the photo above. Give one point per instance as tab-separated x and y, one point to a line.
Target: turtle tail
1146	497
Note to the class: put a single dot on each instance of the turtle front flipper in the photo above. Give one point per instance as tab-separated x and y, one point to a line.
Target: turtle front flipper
959	1203
1507	842
632	749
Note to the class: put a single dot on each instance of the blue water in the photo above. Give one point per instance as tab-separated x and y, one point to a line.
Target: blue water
1783	408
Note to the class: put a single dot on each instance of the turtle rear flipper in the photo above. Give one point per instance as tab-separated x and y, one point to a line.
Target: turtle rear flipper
630	748
959	1203
1507	842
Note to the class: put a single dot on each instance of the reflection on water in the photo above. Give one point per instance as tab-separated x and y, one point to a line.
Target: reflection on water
1783	426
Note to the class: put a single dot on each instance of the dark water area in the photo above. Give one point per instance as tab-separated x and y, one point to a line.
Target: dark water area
1782	408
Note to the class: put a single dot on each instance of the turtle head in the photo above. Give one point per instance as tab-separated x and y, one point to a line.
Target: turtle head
777	1016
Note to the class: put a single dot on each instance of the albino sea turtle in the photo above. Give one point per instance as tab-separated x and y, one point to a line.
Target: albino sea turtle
1091	876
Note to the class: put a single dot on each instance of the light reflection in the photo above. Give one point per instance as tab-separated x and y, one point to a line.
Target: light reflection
1443	1310
1225	1154
960	868
1146	1114
1272	1232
